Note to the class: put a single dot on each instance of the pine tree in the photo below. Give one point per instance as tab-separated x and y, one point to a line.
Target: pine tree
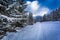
20	12
30	18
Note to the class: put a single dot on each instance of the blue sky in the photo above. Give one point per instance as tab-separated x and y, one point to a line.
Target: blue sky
42	5
52	4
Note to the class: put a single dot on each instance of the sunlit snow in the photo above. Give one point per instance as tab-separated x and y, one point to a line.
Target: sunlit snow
38	31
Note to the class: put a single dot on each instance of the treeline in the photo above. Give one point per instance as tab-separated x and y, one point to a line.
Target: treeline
52	16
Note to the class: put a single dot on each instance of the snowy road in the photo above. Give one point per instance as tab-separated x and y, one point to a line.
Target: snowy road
38	31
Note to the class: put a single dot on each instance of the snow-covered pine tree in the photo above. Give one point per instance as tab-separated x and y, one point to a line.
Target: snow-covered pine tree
18	12
21	13
30	18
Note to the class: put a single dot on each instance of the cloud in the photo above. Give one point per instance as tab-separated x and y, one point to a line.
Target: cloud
36	8
33	5
44	11
51	4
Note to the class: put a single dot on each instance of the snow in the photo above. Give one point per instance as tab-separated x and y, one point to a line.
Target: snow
12	19
38	31
10	6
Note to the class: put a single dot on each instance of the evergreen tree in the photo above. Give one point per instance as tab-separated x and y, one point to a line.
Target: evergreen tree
30	18
44	18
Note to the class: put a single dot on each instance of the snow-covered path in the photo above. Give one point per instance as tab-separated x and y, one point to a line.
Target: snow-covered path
38	31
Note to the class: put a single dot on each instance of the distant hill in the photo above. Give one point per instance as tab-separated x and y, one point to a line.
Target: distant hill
38	18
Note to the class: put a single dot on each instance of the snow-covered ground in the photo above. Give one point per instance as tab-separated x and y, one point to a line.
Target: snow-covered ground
38	31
